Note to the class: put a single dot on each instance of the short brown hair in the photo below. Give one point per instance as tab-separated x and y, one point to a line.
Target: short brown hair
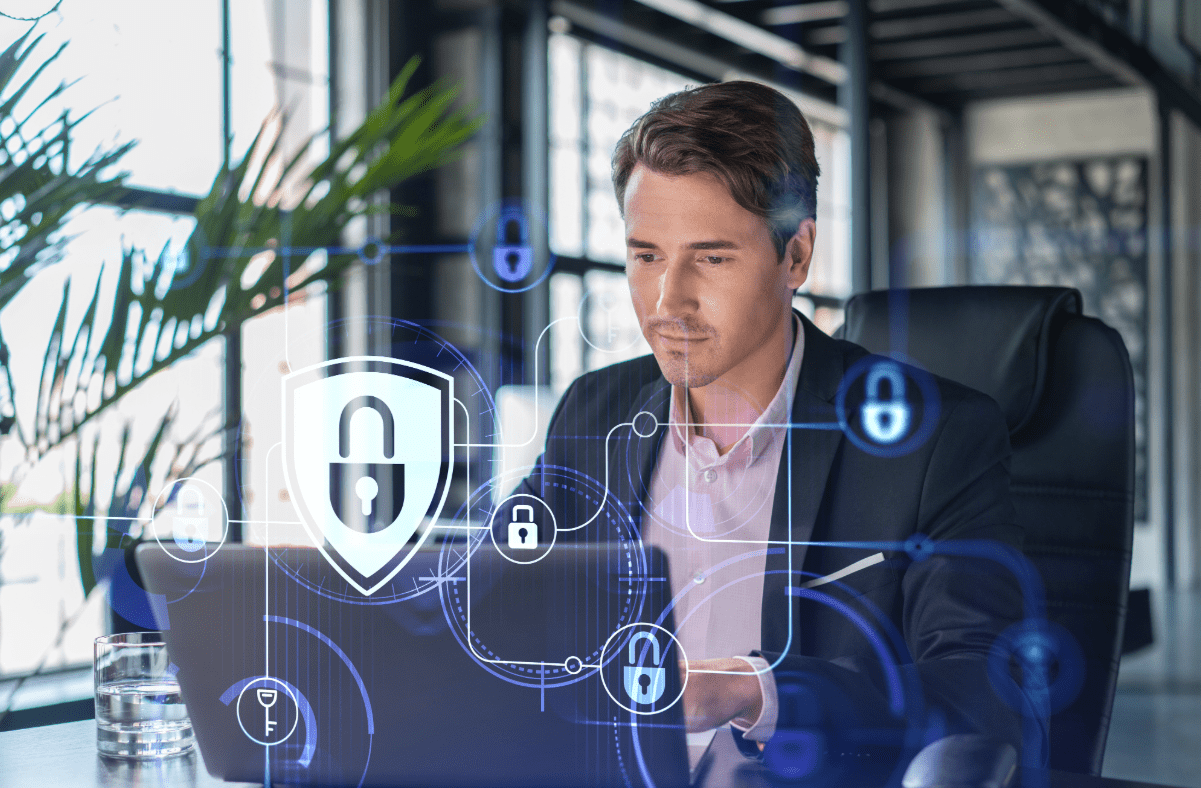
750	136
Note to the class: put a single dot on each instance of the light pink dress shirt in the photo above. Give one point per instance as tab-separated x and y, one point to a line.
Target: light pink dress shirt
710	513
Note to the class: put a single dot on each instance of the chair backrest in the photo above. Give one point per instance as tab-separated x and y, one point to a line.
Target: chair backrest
1065	385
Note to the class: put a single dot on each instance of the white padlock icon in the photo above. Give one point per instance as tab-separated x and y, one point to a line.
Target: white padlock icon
523	534
885	420
190	527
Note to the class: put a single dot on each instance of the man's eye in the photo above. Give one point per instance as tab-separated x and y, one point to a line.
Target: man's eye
645	257
714	259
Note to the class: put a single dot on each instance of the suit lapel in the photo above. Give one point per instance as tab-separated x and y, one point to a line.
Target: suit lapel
805	464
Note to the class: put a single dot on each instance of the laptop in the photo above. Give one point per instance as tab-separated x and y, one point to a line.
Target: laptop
467	669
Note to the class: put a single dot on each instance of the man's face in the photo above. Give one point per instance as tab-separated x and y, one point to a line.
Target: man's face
707	285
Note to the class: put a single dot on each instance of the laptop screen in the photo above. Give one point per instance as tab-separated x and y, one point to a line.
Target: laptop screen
487	672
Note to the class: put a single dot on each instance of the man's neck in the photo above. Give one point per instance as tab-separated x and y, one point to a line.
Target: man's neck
725	409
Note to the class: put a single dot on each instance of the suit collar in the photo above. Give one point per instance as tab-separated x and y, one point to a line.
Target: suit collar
804	464
823	365
813	440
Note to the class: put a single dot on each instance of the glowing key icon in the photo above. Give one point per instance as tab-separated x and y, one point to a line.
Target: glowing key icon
267	698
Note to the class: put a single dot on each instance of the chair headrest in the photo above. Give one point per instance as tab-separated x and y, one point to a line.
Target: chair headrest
992	338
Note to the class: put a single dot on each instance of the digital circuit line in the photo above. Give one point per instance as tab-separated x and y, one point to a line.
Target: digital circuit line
225	252
267	564
528	441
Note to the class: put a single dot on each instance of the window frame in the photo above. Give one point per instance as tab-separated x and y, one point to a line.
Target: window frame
67	702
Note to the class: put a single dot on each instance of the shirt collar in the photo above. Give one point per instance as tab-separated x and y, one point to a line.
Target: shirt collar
778	411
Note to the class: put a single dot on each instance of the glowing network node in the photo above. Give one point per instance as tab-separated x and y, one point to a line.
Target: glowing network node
885	408
200	519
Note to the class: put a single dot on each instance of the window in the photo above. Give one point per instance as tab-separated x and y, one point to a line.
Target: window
149	71
595	95
152	72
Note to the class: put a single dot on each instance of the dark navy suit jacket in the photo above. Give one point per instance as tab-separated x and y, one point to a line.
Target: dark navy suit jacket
934	616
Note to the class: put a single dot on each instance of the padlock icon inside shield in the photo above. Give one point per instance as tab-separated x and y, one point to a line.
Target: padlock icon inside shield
190	527
523	531
368	454
885	420
367	467
512	256
645	685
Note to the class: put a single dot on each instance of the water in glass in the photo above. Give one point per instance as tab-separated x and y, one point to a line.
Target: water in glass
139	709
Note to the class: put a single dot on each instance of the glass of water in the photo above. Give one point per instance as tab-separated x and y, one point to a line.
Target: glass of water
139	711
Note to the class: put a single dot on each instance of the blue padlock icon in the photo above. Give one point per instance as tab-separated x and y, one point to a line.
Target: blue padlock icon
190	527
512	257
885	420
645	685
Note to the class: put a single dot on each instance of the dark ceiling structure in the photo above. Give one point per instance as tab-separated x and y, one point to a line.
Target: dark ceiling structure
935	53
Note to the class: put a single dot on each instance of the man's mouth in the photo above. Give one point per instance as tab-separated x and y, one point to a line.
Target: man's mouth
681	339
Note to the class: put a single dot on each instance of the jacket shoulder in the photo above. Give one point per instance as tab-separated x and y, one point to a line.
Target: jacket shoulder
616	382
597	397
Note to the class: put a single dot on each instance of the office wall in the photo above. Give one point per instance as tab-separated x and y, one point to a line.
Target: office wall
1116	126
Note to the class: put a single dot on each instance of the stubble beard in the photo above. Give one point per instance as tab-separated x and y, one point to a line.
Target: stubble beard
687	367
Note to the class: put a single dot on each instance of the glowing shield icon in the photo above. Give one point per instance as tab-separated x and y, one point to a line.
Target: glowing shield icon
367	459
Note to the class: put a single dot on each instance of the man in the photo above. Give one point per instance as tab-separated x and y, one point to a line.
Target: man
735	471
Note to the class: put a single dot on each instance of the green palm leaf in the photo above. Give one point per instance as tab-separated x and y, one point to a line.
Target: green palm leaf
36	189
155	322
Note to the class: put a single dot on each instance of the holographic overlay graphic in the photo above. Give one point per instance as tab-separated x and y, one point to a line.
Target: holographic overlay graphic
600	599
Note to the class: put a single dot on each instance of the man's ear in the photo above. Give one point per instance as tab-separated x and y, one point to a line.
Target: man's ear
799	253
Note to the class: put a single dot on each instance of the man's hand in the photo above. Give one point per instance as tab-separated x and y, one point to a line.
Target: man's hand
713	699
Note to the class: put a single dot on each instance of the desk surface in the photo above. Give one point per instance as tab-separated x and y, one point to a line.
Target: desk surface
65	755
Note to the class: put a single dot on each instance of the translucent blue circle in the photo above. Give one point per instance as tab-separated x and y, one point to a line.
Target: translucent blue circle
797	749
1048	661
372	259
931	406
919	547
616	522
509	205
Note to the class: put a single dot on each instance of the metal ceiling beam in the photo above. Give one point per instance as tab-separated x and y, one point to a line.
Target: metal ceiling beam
1112	50
804	13
934	24
917	26
1040	17
988	80
751	36
937	47
826	36
985	61
1027	90
893	6
711	67
718	69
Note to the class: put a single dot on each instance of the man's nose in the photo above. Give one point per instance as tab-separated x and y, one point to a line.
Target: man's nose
677	290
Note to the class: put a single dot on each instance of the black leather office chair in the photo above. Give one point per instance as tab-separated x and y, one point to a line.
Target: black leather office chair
1066	388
